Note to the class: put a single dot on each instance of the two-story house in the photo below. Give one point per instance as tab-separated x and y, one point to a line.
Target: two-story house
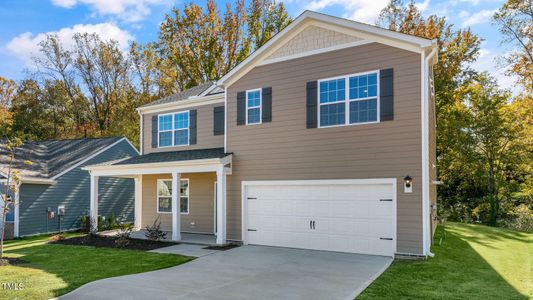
323	138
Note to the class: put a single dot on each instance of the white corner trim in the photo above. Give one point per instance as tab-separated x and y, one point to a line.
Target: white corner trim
313	52
182	104
141	121
225	119
426	230
38	181
16	207
92	156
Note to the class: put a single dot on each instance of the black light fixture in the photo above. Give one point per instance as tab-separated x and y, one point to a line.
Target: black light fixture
408	180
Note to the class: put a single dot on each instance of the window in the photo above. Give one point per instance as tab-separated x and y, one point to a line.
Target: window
164	196
346	100
174	129
253	107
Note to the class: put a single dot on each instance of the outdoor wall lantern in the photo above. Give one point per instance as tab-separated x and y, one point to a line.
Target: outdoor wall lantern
408	184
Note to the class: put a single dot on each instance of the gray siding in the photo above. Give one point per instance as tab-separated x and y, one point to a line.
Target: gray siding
72	190
286	150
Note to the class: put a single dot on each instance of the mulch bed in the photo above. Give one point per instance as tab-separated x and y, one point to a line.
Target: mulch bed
12	261
109	242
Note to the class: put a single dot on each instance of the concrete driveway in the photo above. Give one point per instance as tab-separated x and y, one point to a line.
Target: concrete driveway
249	272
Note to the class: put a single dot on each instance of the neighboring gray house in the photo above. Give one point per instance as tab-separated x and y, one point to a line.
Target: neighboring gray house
55	180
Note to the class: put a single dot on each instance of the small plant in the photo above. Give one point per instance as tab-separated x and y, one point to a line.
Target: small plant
112	222
85	224
123	236
154	232
101	223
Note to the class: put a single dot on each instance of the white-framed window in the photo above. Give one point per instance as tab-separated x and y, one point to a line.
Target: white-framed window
349	100
173	129
164	196
253	107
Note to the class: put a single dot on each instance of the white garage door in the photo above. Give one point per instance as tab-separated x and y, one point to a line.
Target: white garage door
338	216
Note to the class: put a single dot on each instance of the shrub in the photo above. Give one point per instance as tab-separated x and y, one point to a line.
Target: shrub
154	232
520	218
85	224
101	223
123	236
112	222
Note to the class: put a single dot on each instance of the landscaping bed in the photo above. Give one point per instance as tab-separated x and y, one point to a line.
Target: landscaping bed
110	242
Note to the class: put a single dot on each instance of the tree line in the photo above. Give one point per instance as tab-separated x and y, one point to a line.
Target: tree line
484	133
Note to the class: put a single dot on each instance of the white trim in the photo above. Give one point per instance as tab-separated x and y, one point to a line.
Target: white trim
141	121
269	61
91	157
176	216
179	202
30	180
260	106
347	99
182	104
313	182
225	119
221	206
138	202
215	208
173	130
16	208
208	90
364	31
426	231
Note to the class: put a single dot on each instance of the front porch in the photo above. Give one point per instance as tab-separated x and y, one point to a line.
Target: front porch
186	237
183	190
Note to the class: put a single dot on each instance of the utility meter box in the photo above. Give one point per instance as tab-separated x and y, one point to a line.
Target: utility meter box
61	210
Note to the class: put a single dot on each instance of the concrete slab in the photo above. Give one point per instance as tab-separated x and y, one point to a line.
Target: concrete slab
186	249
249	272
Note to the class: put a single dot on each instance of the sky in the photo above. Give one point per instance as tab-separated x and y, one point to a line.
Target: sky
24	23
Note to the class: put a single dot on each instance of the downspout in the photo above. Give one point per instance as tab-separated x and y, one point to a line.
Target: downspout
425	152
17	212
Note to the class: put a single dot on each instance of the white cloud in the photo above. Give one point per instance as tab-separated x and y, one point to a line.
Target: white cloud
481	16
130	11
422	6
26	45
366	11
488	62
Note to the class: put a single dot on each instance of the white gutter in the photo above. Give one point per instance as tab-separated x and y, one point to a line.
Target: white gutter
181	104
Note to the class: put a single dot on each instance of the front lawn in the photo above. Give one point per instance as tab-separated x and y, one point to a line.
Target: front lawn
54	269
471	262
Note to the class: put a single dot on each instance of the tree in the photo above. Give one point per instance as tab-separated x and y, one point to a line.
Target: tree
490	132
10	187
515	20
198	45
7	92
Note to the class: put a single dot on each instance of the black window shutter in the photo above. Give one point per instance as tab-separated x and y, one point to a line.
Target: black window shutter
192	127
266	98
155	135
218	120
312	103
386	107
241	108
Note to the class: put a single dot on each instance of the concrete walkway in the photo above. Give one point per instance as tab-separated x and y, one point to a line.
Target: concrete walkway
186	250
249	272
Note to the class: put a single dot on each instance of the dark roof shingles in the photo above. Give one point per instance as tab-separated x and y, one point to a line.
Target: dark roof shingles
159	157
50	158
194	91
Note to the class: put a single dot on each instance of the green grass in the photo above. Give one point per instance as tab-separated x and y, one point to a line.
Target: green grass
471	262
54	270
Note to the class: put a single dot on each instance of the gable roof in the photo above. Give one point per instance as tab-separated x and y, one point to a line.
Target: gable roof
203	89
51	158
307	18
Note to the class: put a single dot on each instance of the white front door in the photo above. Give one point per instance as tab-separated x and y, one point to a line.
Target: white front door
322	215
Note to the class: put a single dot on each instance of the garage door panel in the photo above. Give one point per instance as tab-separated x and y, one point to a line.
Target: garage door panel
347	217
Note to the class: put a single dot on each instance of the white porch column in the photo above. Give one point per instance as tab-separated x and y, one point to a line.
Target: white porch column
94	204
221	206
176	216
138	202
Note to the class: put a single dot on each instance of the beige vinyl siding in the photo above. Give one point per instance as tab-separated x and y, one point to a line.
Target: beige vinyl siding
286	150
205	137
201	203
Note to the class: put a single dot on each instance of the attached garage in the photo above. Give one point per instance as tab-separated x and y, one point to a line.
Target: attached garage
355	216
